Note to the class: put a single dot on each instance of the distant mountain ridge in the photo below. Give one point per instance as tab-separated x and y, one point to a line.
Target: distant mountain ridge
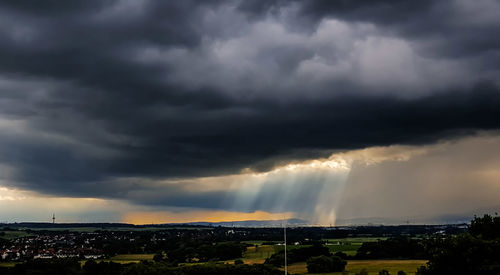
249	223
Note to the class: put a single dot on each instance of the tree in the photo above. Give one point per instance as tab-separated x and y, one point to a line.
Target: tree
322	264
487	227
475	252
341	255
158	257
298	255
383	272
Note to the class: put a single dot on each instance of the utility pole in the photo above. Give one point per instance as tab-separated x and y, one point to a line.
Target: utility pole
284	230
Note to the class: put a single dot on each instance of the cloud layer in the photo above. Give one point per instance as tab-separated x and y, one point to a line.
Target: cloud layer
113	99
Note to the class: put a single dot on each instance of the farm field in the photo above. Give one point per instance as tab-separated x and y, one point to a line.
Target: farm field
258	254
8	264
348	245
372	266
257	242
131	258
9	235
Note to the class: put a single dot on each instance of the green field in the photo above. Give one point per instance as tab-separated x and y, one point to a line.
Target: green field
258	253
278	248
372	266
357	239
256	242
14	234
348	245
125	258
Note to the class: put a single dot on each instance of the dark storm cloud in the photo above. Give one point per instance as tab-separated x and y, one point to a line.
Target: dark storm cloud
95	91
457	28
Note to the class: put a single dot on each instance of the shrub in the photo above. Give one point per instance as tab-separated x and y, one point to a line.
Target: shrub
341	255
322	264
158	257
297	255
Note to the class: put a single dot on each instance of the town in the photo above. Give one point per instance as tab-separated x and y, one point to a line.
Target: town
102	241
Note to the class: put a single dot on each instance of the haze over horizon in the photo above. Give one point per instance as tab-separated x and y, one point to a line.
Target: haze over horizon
227	110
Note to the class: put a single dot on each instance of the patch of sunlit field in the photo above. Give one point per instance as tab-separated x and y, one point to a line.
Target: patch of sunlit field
125	258
258	254
8	264
131	258
371	266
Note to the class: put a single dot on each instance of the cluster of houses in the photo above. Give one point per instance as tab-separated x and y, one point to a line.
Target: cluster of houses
50	246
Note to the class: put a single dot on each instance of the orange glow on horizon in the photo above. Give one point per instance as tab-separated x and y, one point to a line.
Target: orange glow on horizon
200	216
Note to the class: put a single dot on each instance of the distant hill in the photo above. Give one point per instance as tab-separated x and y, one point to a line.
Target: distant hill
47	225
251	223
450	218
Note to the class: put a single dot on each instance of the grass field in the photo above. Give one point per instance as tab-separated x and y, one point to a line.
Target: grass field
349	245
8	264
131	258
14	234
257	254
256	242
261	252
372	266
278	248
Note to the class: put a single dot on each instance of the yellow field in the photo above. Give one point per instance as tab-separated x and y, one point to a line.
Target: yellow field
372	266
8	264
131	258
259	252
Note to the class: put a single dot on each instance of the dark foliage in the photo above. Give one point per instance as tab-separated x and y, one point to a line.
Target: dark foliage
102	268
72	267
42	267
486	228
477	252
341	255
400	247
298	255
323	264
189	252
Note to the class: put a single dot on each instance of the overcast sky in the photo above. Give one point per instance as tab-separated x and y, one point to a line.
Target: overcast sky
228	110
